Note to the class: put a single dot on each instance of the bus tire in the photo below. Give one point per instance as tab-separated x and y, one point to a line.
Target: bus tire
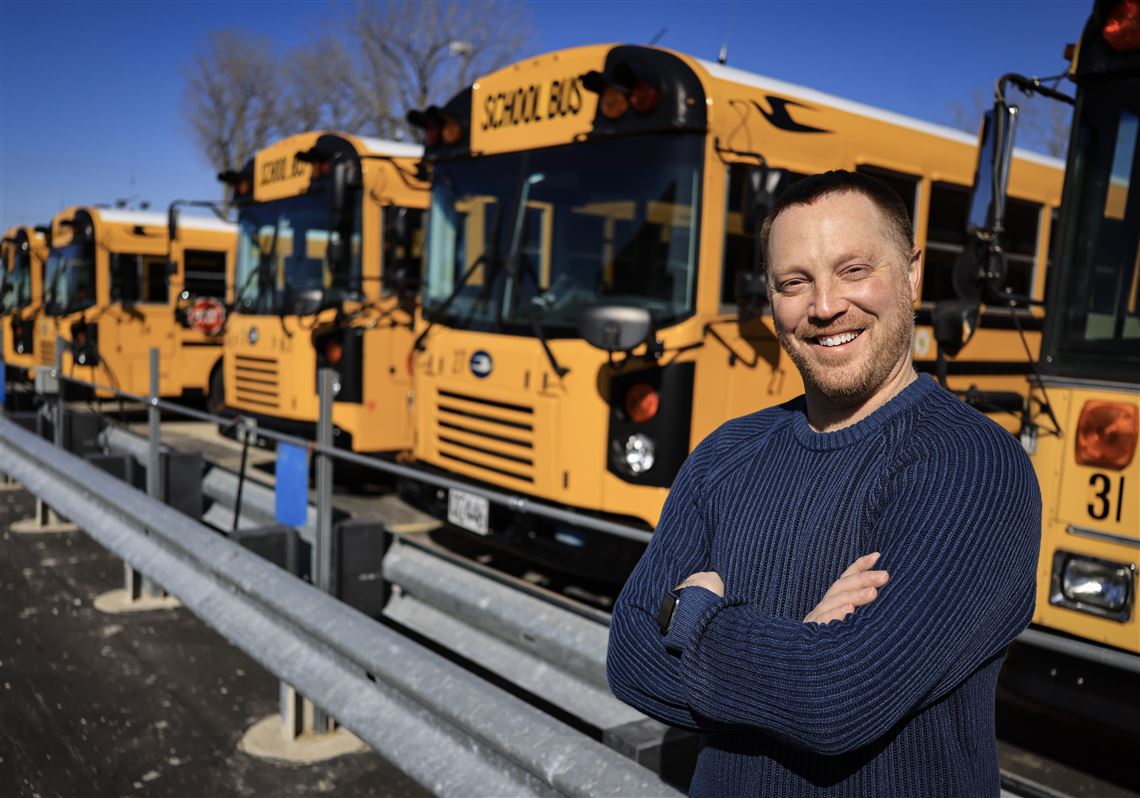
216	395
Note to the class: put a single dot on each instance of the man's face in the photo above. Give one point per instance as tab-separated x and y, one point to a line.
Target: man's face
842	296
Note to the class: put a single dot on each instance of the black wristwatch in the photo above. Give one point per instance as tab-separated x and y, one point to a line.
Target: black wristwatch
668	609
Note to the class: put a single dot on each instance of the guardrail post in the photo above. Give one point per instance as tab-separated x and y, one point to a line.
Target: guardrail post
322	550
137	585
48	382
297	712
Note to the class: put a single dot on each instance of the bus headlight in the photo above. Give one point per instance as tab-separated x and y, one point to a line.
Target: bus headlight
1099	587
637	456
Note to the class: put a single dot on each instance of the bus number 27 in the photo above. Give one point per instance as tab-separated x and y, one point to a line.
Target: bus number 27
1101	505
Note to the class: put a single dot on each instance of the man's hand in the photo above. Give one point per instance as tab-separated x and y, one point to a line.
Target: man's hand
709	580
858	585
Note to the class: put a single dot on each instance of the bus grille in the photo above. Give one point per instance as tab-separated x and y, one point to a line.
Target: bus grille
495	438
255	381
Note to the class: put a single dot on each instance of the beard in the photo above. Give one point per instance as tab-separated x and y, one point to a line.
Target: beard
853	383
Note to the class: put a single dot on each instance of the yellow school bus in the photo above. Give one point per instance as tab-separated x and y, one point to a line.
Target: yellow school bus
1082	436
116	284
330	236
23	252
593	287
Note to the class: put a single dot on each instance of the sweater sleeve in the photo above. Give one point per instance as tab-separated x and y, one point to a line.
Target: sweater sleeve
960	541
641	671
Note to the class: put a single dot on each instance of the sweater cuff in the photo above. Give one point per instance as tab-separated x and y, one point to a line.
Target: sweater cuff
692	608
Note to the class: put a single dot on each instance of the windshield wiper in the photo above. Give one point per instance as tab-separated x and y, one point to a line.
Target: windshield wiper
260	269
485	258
514	260
51	305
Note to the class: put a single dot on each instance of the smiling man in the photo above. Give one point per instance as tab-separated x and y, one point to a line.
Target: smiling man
753	615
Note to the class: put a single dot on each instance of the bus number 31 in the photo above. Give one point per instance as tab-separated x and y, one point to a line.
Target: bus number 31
1101	505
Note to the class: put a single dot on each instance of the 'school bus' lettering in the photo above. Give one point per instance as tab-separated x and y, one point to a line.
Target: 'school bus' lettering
534	103
278	170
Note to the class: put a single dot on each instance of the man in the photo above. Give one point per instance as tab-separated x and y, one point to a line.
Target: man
896	695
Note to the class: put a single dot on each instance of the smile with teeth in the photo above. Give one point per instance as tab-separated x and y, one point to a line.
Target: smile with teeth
838	339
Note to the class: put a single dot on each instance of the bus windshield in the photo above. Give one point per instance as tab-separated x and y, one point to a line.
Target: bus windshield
69	278
1098	304
283	253
611	222
17	282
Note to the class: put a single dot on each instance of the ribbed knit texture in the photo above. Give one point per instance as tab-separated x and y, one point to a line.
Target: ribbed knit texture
898	699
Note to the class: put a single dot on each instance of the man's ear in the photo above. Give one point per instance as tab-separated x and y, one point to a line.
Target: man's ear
914	272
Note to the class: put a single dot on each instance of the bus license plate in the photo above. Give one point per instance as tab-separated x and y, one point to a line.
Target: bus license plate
468	511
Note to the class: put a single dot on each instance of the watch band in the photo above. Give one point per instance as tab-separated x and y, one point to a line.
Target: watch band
668	609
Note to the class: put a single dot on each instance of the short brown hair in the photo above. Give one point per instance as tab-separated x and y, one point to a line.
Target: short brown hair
840	181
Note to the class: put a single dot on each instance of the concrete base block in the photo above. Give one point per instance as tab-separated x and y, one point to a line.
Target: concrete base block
118	602
268	739
33	526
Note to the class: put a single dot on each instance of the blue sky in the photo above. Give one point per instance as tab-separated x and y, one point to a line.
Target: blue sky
91	93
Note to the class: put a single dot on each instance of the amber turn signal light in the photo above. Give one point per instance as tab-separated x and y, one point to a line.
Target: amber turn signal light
1106	434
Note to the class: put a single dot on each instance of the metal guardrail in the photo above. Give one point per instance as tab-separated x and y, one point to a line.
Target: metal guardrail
451	731
516	502
545	649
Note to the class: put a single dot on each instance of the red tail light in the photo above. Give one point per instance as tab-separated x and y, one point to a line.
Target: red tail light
1106	434
452	132
1122	26
80	338
643	97
334	351
642	402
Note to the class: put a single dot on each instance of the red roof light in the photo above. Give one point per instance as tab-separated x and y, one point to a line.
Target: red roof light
1122	26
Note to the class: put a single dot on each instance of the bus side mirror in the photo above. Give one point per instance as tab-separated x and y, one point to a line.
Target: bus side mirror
337	250
991	178
751	291
615	328
761	187
172	223
980	268
339	189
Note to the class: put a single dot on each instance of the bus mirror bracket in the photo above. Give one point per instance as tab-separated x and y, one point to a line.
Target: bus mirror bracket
615	328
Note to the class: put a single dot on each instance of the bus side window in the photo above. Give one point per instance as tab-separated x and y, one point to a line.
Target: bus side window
906	186
945	226
1022	221
154	279
205	273
740	246
125	277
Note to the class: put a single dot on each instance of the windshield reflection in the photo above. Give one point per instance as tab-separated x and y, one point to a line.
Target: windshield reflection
602	223
1099	308
283	253
69	278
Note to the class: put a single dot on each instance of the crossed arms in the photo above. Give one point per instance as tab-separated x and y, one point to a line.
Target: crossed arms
961	588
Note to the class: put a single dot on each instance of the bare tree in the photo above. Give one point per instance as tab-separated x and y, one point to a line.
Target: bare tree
1043	125
320	91
231	97
417	53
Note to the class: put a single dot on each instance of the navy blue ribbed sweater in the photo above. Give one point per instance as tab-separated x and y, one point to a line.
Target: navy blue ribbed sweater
898	699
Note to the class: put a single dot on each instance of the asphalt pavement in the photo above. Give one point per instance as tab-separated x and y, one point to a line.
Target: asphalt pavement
149	704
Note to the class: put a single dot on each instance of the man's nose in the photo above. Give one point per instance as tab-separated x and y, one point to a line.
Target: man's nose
828	300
